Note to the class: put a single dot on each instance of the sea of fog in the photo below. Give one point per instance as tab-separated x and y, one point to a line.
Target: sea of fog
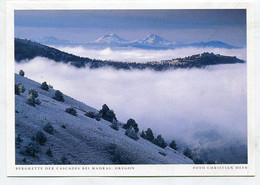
192	106
143	55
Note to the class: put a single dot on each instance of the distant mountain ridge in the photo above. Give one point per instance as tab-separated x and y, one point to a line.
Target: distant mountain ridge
151	41
27	50
110	39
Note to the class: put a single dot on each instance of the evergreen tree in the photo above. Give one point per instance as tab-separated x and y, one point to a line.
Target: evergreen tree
58	96
187	152
173	145
32	98
21	87
45	86
159	141
110	116
41	138
149	135
104	110
107	114
143	134
130	132
33	92
21	72
129	123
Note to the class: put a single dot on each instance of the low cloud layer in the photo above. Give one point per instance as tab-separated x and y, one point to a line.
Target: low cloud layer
184	104
141	55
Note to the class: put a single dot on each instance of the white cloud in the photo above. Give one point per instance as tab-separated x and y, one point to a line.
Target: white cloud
141	55
174	103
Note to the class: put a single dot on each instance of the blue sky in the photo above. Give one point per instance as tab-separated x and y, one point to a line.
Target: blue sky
175	25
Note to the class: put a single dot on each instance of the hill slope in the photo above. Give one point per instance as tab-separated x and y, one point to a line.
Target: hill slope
26	50
78	139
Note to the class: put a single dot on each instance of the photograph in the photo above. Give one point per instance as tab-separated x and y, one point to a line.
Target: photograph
130	86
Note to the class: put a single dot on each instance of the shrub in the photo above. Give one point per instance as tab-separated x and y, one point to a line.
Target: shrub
187	152
107	114
198	161
32	149
21	72
149	135
31	100
143	134
48	128
49	152
33	92
58	96
40	138
104	110
173	145
64	160
119	156
159	141
63	126
16	89
114	126
44	86
18	139
97	118
130	132
90	114
71	111
93	115
21	87
131	122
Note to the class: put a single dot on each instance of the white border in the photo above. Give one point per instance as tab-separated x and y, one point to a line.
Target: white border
139	170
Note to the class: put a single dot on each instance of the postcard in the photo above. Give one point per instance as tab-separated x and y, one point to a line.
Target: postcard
130	89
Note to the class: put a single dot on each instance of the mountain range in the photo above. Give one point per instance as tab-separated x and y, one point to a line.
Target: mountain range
151	41
27	50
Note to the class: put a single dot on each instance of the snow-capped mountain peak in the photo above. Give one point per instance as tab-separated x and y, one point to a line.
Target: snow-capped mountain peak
110	38
155	40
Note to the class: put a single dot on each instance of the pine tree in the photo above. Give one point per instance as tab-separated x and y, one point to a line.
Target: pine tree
159	141
149	135
187	152
58	96
173	145
21	72
129	123
45	86
143	134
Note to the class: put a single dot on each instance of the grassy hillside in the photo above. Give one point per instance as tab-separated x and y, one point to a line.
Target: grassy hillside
77	139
